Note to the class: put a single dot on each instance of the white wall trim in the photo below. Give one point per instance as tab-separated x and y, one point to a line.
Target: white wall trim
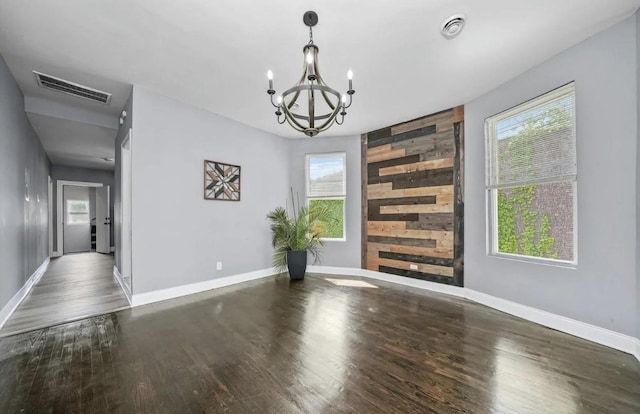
560	323
112	249
417	283
120	280
175	292
11	306
60	212
602	336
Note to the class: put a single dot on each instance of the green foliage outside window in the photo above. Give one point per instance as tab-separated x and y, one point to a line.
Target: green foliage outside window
521	229
334	227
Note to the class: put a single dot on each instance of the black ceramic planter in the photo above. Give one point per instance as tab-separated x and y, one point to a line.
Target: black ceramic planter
297	263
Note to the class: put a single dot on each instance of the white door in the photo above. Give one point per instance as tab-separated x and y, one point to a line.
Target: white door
76	219
103	220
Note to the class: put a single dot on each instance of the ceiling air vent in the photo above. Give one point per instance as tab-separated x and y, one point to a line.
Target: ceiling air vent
61	85
452	26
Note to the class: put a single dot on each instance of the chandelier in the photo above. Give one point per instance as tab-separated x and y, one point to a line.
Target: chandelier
324	105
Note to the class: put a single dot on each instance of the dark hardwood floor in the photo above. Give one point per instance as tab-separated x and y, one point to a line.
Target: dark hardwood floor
273	346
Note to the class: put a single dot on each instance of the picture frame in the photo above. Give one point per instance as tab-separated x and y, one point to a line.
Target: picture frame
221	181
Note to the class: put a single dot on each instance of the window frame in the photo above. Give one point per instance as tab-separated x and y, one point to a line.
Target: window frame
342	197
491	192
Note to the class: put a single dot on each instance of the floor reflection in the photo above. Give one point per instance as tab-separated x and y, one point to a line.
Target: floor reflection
517	375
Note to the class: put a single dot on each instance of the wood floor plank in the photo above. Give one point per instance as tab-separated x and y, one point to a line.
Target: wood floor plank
276	346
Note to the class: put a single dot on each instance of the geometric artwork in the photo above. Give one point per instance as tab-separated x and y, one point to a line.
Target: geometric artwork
221	181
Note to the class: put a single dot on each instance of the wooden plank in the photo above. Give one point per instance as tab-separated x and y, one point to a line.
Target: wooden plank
427	178
373	169
394	241
432	221
422	122
444	198
420	267
375	204
363	204
397	229
382	226
387	155
376	135
420	132
458	114
414	258
376	150
419	250
458	211
416	166
420	208
416	275
385	191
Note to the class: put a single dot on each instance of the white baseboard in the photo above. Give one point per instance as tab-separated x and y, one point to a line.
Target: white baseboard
406	281
56	254
175	292
560	323
573	327
113	249
120	279
11	306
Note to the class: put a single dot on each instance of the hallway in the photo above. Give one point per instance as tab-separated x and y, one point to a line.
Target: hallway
74	287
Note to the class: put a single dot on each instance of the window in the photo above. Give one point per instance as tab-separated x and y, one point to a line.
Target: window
77	212
326	184
531	179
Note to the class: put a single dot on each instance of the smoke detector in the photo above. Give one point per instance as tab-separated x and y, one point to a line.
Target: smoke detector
452	26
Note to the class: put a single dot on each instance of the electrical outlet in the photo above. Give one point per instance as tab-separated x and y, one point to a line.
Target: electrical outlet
413	267
219	266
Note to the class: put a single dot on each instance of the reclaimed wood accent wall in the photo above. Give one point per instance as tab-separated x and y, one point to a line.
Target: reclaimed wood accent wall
412	198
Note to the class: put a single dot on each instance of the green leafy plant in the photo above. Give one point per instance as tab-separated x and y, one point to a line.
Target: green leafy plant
301	228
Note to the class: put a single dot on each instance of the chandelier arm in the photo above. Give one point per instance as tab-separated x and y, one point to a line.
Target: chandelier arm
274	105
289	116
329	121
312	107
350	101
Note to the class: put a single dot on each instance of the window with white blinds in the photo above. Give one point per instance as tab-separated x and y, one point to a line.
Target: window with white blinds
531	177
326	186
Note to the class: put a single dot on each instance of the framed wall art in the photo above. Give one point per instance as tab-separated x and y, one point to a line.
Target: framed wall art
221	181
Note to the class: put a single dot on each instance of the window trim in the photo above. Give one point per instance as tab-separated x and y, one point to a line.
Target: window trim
491	192
342	197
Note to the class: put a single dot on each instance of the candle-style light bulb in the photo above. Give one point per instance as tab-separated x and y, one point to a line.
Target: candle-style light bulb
279	99
350	74
270	77
309	58
344	99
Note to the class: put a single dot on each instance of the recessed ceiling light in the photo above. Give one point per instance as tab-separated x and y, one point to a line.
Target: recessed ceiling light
107	159
452	26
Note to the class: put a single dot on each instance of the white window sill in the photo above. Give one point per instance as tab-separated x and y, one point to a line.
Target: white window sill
333	240
535	260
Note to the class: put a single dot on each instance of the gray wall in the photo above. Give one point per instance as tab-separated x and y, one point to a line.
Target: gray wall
117	196
59	172
170	217
601	290
24	237
335	253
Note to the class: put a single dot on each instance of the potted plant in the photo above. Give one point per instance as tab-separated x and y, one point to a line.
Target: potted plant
295	234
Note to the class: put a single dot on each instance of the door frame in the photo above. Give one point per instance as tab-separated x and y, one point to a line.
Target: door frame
60	213
126	204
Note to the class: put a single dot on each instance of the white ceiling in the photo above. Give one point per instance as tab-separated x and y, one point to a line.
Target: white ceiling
215	54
